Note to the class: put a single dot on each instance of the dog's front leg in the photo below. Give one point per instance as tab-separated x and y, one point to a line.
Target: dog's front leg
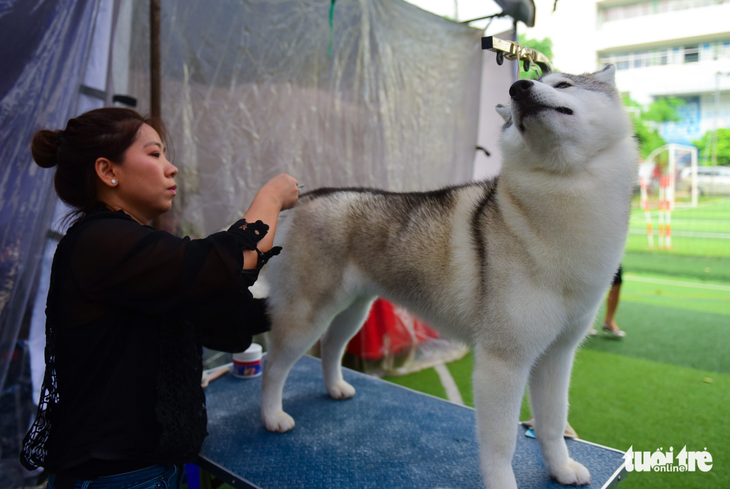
499	385
549	382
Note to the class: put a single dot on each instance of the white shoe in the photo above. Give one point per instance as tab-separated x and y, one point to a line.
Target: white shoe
616	333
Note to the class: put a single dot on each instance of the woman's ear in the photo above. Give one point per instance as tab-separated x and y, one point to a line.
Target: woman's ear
106	172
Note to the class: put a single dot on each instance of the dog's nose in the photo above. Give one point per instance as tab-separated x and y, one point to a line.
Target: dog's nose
519	88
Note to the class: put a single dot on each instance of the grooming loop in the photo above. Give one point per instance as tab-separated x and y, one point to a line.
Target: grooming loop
515	52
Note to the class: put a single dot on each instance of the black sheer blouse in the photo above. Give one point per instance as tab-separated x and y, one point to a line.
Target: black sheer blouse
128	310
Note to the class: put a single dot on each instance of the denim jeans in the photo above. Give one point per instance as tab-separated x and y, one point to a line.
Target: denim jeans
154	477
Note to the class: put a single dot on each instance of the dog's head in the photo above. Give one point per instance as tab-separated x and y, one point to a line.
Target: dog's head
563	119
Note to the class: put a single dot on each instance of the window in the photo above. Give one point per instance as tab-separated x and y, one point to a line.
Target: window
642	59
667	56
640	8
720	49
691	54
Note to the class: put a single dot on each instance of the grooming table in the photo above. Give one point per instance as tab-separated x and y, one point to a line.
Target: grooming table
386	436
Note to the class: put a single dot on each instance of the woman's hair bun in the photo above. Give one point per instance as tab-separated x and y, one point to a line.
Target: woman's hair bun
45	148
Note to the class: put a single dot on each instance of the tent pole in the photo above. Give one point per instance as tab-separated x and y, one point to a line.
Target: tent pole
155	99
155	72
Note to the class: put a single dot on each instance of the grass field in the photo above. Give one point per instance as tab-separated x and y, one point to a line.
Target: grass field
668	382
696	231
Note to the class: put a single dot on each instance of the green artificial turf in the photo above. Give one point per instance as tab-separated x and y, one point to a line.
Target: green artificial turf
621	402
711	268
676	293
710	215
702	231
675	324
674	336
426	381
681	246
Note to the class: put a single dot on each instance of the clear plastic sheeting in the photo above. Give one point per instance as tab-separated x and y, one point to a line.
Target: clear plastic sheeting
387	98
43	57
46	45
250	90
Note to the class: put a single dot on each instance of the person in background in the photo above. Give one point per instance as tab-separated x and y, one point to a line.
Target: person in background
609	323
130	307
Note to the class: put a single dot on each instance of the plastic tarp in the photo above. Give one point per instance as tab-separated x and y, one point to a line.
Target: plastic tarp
45	45
250	90
383	95
43	57
95	78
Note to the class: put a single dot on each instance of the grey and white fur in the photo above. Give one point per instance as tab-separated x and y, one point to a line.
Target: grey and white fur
516	266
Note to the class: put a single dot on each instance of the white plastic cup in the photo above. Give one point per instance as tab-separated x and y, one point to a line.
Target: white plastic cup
247	364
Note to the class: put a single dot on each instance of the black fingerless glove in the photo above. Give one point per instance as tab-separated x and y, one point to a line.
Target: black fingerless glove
249	234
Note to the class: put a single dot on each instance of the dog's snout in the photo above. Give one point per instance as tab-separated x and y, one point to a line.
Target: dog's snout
519	88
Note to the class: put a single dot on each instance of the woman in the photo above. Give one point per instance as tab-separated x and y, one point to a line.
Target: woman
129	307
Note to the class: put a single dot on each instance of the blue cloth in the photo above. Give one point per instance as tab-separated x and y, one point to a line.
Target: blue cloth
384	437
154	477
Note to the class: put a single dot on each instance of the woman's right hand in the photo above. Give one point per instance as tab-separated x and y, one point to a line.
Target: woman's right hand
284	189
276	195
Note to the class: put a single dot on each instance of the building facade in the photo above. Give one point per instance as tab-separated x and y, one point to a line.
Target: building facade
671	48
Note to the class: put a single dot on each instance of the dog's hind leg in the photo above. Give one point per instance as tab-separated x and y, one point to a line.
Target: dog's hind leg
549	382
499	384
334	342
295	328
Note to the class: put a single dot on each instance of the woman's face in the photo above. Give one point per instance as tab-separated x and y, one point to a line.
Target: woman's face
146	184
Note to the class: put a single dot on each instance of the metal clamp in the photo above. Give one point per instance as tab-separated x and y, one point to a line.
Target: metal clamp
516	52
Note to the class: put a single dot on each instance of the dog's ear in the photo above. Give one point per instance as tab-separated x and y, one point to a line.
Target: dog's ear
607	75
504	111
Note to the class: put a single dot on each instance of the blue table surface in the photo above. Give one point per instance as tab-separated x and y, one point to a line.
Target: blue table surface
384	437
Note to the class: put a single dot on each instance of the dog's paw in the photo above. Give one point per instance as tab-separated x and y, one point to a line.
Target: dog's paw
572	474
279	422
341	390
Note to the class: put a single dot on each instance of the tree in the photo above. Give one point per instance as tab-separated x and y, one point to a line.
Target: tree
544	46
664	110
723	146
647	120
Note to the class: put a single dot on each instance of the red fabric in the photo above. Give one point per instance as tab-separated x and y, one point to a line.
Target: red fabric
386	332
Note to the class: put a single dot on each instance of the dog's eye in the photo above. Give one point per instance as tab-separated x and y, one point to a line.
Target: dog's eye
563	85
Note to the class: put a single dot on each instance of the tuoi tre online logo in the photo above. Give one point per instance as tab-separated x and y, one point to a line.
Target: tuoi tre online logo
659	461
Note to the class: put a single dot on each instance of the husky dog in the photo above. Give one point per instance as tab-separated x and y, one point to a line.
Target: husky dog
516	266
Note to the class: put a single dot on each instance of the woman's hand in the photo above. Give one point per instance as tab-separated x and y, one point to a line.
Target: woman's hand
282	189
278	194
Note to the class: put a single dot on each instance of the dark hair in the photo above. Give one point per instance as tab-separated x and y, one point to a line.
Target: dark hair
106	133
